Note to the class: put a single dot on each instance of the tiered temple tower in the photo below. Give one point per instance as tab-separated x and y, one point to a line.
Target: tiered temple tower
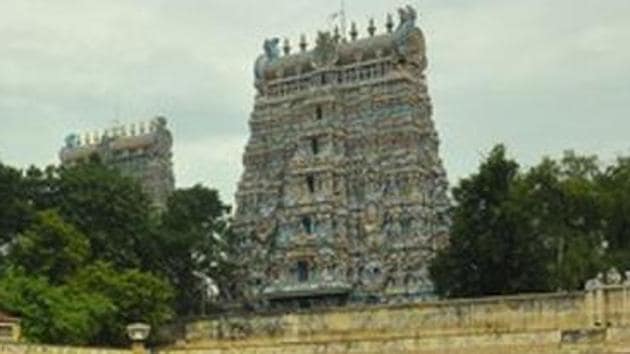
142	151
343	197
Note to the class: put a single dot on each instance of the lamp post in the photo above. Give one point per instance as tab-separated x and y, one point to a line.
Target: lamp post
138	333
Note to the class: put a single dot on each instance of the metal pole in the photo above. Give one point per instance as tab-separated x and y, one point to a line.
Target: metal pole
343	19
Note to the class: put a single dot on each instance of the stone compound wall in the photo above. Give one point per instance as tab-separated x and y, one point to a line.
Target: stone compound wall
593	322
19	348
597	321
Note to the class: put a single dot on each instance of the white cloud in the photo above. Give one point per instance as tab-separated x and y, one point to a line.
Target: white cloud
540	75
215	161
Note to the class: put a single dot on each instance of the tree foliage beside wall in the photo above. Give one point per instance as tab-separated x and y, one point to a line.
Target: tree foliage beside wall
547	228
85	254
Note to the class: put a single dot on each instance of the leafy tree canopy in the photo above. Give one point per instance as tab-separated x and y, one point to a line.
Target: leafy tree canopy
492	250
15	209
110	209
52	314
86	254
548	228
137	297
50	248
194	238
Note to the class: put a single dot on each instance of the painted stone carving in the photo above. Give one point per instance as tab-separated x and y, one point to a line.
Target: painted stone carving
325	52
343	195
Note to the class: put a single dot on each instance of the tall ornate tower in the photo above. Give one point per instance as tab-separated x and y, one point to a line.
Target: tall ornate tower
142	151
343	196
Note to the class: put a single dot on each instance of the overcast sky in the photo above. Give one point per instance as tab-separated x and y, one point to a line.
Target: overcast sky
542	76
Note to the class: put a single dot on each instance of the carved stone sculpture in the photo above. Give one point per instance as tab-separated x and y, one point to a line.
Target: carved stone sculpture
613	277
271	53
325	52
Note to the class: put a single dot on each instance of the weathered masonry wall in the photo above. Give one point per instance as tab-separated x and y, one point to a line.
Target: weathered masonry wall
19	348
592	322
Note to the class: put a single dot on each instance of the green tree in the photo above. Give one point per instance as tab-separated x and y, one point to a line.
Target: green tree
193	238
86	250
111	210
136	296
542	230
565	210
492	248
50	248
52	314
15	210
615	189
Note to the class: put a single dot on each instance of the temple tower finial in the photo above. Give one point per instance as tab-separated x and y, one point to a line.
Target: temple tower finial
287	47
390	23
303	44
371	28
353	31
336	35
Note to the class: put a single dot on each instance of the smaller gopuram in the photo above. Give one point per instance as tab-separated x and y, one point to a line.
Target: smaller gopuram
142	151
343	198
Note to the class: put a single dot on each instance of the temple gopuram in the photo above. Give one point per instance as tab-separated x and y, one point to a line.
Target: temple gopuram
142	151
343	197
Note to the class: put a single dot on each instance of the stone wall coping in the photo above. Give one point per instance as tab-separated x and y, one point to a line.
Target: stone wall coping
533	297
40	347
